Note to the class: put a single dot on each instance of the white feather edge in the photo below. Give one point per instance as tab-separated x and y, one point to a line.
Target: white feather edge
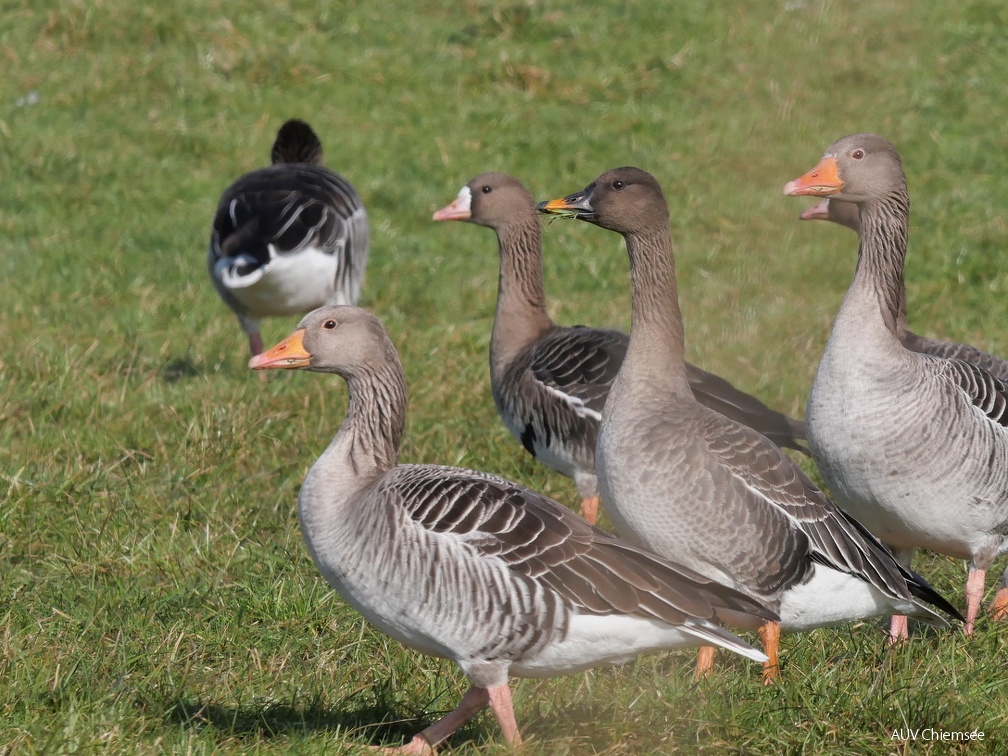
574	403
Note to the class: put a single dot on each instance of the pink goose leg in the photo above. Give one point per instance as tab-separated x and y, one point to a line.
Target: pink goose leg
974	593
499	698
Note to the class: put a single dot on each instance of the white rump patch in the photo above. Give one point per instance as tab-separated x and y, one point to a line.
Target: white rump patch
288	284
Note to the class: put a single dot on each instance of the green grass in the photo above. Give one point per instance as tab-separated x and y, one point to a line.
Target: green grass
155	594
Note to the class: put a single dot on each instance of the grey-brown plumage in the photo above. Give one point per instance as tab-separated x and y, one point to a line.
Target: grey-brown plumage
911	444
846	214
289	237
550	382
701	488
469	566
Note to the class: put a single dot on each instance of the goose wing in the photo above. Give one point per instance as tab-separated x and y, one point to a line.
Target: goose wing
578	364
949	350
717	393
538	540
983	390
772	482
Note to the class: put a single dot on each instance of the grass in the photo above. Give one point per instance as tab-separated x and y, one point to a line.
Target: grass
155	593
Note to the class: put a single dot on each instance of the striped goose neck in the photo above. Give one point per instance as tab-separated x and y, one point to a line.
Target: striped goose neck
657	342
902	331
521	316
371	434
882	254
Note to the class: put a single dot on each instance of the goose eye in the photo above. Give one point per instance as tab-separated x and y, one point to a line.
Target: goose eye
617	184
487	189
857	154
329	325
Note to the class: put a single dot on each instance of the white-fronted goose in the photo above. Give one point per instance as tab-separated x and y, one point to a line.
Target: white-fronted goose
915	446
288	238
699	488
471	567
846	214
550	382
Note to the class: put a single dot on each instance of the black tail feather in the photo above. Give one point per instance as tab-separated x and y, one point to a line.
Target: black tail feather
922	589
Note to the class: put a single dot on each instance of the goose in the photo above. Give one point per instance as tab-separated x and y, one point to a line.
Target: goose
846	214
471	567
699	488
913	445
289	237
549	381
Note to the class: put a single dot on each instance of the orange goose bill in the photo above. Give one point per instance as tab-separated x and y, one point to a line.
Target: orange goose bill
289	353
821	181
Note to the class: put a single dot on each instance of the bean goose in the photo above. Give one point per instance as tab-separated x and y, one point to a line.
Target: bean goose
550	382
701	489
913	445
846	214
468	566
288	238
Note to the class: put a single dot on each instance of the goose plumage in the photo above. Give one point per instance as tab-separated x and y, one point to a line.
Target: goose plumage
289	237
549	381
846	214
914	445
471	567
700	488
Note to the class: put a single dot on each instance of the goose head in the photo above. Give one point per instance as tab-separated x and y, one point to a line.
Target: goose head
625	200
858	168
490	199
337	339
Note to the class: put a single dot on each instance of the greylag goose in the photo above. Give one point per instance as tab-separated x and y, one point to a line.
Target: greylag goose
706	491
288	238
913	445
471	567
846	214
550	382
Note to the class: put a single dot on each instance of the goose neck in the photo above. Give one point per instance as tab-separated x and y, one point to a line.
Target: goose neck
367	444
881	257
657	341
521	315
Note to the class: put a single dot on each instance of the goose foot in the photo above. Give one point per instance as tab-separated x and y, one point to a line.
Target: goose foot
589	509
418	747
704	662
499	699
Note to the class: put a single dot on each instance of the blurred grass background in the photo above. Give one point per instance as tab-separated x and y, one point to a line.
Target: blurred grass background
155	594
